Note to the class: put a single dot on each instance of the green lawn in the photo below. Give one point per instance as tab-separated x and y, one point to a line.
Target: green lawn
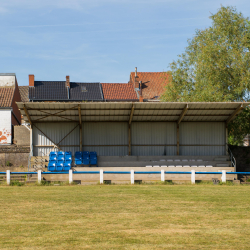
125	217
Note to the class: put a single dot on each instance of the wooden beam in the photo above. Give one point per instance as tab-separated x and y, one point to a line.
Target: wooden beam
178	139
129	129
49	114
80	126
31	141
80	115
184	111
129	140
131	114
226	131
163	115
232	116
27	114
55	144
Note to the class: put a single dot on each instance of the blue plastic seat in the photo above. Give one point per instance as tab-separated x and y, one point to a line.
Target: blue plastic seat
52	156
52	166
60	156
85	160
68	156
66	166
93	154
78	153
59	166
78	161
85	154
93	158
93	161
78	158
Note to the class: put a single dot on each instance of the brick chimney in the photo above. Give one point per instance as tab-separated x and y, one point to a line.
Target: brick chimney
136	85
31	81
67	82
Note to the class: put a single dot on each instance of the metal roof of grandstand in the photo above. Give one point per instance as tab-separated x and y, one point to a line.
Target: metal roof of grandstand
37	112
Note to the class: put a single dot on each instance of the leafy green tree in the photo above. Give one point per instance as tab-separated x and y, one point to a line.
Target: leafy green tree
216	63
239	128
215	67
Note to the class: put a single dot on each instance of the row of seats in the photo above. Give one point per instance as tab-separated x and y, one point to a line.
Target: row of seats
86	158
180	166
60	161
60	156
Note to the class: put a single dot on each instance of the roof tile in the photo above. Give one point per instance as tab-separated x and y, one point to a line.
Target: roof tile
57	91
6	96
119	91
153	83
24	92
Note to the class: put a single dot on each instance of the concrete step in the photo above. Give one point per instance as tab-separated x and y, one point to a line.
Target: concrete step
160	163
222	165
222	159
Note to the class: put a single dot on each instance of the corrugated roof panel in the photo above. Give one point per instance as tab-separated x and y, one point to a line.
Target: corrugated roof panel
119	111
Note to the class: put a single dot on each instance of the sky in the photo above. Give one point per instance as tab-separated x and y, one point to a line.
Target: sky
99	40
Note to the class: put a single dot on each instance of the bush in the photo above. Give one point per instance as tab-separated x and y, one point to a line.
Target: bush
16	183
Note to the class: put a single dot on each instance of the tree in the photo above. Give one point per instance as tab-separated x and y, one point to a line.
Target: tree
215	67
216	62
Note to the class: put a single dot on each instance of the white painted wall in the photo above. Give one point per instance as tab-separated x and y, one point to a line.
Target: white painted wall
5	127
7	81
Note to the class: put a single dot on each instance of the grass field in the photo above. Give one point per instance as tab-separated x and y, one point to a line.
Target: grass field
125	217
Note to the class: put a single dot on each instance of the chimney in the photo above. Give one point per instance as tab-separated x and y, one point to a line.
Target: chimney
31	81
67	82
136	83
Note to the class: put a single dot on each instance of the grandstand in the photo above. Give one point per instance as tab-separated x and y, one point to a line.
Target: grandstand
148	135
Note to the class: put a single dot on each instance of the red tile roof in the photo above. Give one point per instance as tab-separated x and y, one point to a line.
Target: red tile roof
24	92
6	96
119	91
153	83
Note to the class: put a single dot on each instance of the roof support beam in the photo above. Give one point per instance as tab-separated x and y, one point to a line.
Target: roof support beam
27	114
131	114
55	144
49	114
80	126
129	129
184	111
232	116
80	115
178	139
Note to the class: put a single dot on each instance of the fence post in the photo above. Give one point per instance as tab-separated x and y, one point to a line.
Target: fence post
162	175
224	176
8	177
132	175
70	176
39	176
193	176
101	176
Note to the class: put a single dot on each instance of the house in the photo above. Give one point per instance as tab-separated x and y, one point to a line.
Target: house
64	91
9	113
123	92
149	85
